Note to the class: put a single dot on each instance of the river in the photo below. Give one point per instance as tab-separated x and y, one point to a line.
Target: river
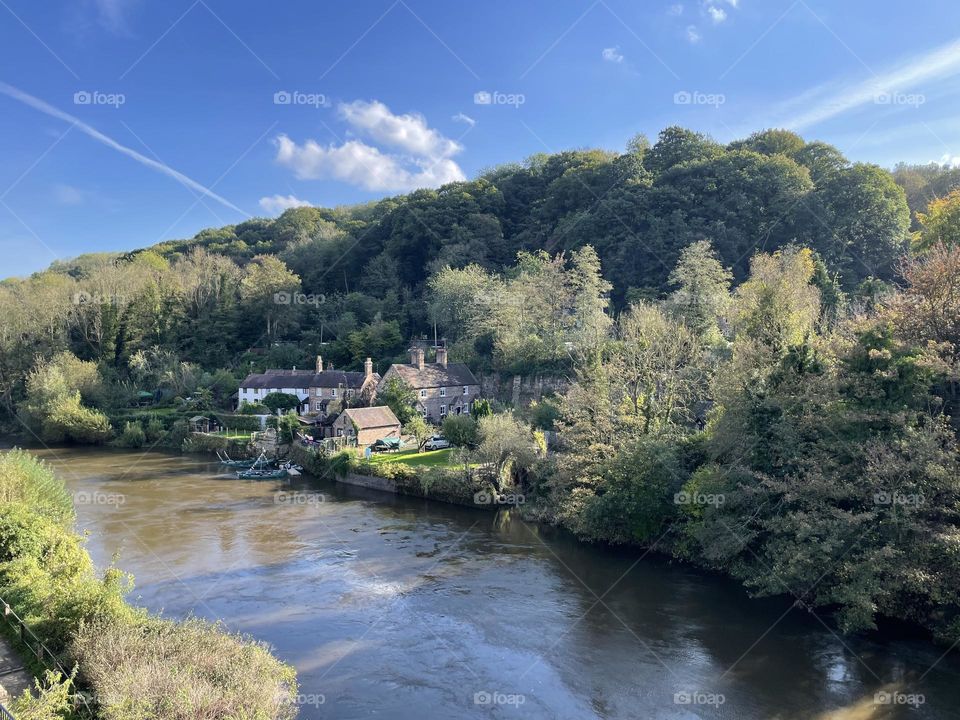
399	608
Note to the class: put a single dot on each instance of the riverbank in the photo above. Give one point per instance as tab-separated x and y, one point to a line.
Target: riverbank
128	660
386	604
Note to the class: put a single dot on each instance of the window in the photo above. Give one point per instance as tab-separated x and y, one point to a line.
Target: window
423	393
466	390
333	392
443	392
339	432
443	411
318	406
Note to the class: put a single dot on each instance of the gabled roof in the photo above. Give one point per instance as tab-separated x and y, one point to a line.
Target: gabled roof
372	417
435	375
276	379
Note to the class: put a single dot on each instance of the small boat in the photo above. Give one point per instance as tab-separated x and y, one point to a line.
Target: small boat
266	474
260	462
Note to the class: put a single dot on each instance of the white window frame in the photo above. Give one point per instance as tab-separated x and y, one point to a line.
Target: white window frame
443	392
333	392
443	411
466	389
423	393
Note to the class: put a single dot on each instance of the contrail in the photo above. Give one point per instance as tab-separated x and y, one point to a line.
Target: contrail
837	99
38	104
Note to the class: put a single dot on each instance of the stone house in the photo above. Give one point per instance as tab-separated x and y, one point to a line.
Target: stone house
443	388
366	425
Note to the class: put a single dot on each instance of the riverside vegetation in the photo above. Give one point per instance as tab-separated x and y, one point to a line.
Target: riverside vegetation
132	666
759	344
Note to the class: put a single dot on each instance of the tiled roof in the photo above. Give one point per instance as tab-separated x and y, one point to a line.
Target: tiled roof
435	375
276	379
372	417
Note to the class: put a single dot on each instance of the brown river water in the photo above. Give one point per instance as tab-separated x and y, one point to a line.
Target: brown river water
398	608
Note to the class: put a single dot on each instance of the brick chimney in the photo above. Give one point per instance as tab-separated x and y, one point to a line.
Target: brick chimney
368	367
442	356
416	357
329	366
319	363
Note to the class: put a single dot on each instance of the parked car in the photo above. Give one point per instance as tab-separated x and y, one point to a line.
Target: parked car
437	442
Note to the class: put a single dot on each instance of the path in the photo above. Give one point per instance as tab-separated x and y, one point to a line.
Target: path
13	676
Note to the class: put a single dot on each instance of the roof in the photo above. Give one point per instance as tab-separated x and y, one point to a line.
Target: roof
435	375
276	379
372	417
198	418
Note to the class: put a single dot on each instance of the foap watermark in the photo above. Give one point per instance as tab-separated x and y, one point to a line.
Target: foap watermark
898	498
310	699
96	97
83	297
300	499
485	97
895	697
686	97
699	698
498	698
297	298
898	98
485	497
296	97
95	497
698	498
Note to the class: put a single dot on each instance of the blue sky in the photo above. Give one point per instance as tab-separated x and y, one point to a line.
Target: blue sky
127	122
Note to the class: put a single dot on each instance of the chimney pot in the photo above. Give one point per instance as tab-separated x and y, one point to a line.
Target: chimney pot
319	363
368	367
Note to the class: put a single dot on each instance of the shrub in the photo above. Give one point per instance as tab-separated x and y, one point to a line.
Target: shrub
132	436
241	423
68	420
25	479
460	430
161	670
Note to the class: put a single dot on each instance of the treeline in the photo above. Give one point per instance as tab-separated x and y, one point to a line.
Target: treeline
356	279
802	442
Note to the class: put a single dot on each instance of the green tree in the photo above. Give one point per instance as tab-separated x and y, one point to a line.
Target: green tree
400	398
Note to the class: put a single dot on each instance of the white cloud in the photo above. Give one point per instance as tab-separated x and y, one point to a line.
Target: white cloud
612	54
832	99
464	118
675	10
948	160
718	15
276	204
425	160
693	34
406	132
47	109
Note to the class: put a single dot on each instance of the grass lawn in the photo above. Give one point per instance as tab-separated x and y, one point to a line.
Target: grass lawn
431	458
233	434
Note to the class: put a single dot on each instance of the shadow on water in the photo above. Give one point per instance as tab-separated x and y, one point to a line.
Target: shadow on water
410	609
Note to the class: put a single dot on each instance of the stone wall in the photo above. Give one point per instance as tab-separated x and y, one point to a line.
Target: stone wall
520	390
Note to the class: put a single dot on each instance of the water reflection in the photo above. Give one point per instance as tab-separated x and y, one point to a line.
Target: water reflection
401	608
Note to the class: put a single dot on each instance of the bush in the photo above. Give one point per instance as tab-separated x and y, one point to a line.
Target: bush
160	670
247	408
132	436
460	430
241	423
27	480
69	421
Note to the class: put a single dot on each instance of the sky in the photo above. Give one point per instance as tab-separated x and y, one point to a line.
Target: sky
125	122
